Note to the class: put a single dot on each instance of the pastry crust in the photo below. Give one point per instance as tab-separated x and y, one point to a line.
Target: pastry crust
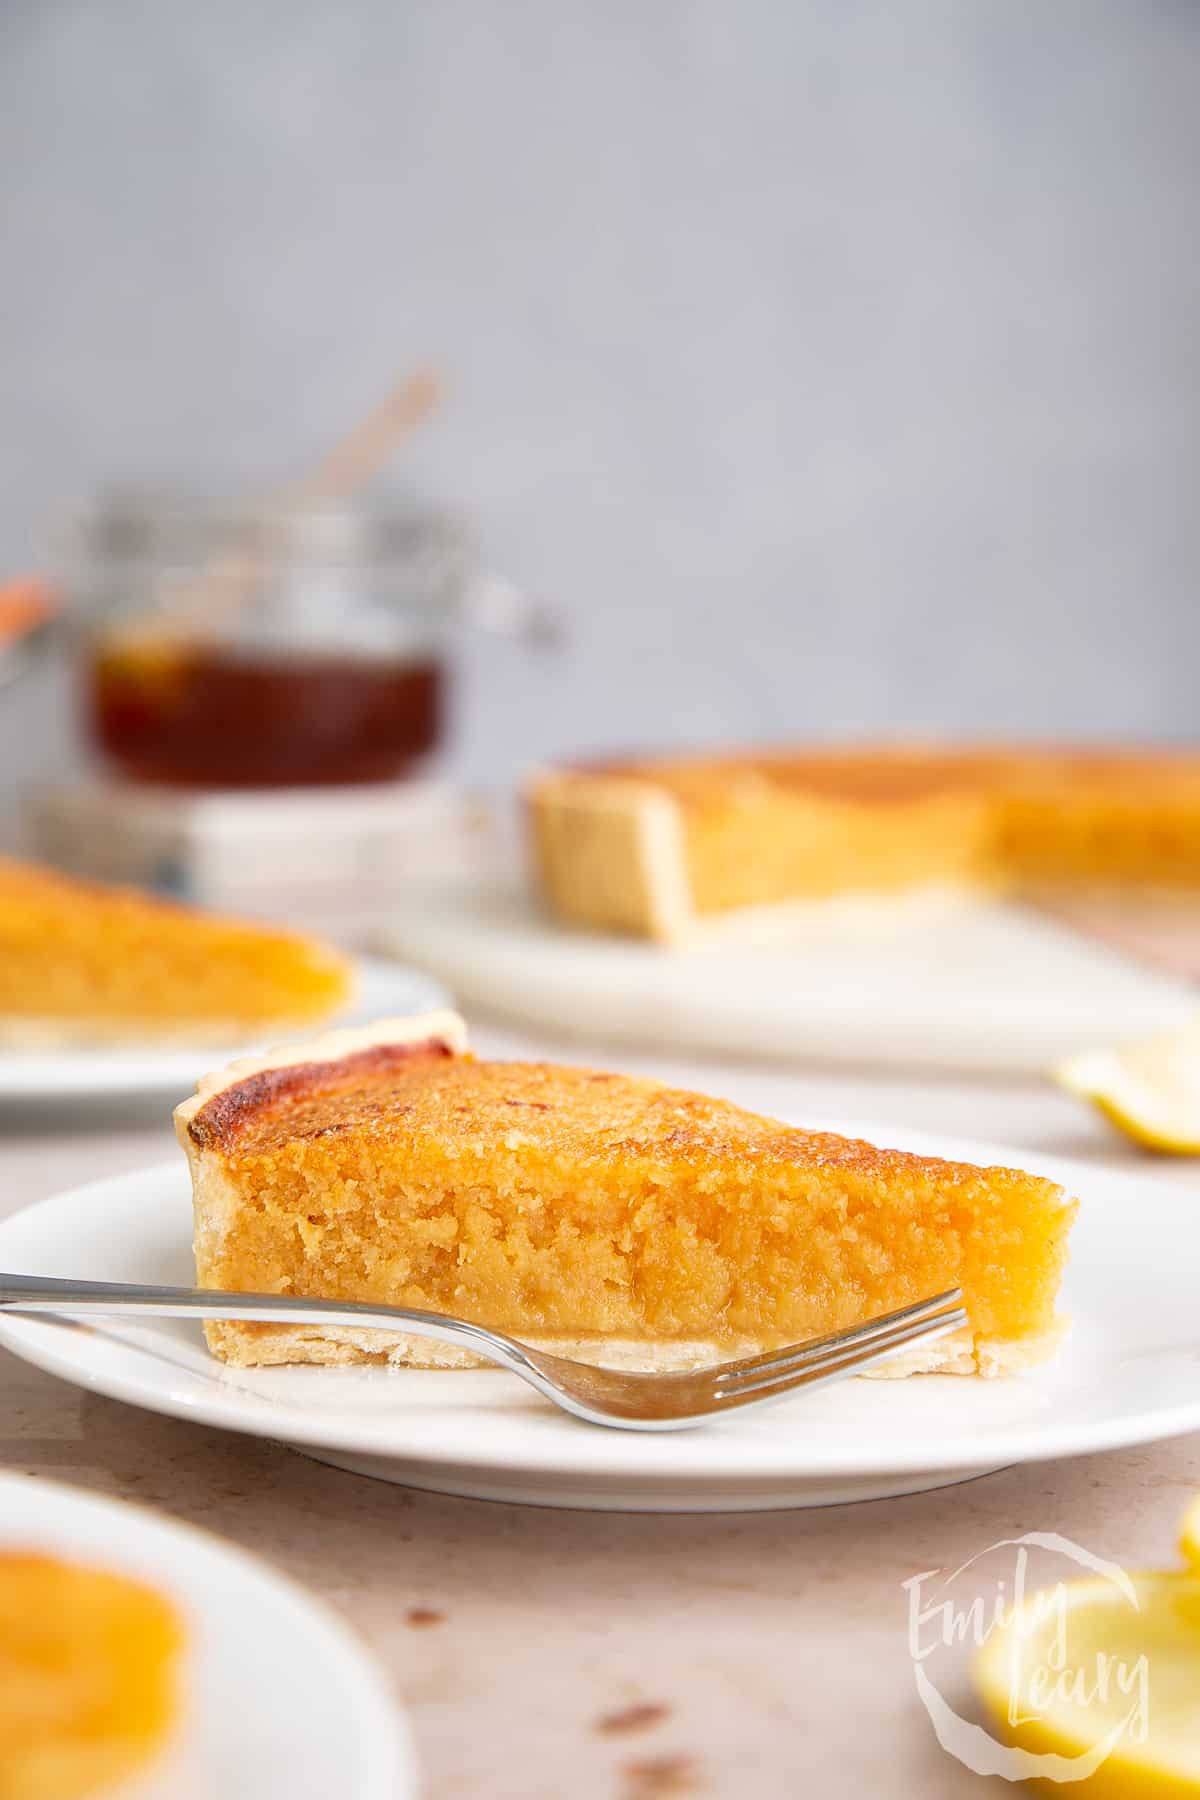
252	1346
611	852
440	1027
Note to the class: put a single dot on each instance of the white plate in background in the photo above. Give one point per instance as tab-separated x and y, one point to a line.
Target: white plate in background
280	1700
933	979
97	1072
1129	1373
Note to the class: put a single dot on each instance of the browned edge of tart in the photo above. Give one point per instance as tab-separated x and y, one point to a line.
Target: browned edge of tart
219	1118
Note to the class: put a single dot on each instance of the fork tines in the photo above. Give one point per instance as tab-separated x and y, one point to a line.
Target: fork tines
858	1347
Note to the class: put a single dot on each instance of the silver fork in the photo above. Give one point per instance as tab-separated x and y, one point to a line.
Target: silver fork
631	1401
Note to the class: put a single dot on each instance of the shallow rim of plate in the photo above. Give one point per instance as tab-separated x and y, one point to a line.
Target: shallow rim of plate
670	1459
380	1722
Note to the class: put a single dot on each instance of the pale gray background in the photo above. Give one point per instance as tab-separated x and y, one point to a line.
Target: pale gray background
833	364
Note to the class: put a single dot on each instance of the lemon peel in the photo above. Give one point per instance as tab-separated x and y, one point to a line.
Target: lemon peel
1150	1090
1105	1688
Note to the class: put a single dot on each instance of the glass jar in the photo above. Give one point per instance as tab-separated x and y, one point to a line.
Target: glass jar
231	649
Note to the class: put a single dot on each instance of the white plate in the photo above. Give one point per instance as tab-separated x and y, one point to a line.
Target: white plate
1130	1371
897	981
385	989
280	1701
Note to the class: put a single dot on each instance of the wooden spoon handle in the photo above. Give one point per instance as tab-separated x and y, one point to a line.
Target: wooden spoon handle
352	462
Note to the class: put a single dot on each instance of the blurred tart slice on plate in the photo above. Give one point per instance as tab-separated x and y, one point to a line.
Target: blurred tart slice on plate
611	1218
88	1676
81	963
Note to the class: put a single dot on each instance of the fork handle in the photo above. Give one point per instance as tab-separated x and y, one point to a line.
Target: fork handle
50	1295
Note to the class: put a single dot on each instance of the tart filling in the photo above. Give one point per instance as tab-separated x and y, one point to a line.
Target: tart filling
89	1676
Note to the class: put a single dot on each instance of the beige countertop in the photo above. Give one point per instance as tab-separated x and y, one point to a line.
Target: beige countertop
605	1656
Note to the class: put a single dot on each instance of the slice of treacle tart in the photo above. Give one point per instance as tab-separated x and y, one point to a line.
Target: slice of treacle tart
608	1217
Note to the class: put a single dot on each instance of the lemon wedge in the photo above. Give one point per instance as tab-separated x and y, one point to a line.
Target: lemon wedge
1189	1534
1098	1686
1150	1090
